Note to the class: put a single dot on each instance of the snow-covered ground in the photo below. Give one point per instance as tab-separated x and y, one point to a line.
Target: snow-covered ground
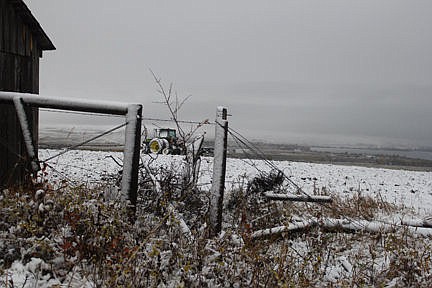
412	189
409	190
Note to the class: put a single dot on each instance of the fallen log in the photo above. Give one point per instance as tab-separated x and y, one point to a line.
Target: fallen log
342	225
282	229
425	223
297	198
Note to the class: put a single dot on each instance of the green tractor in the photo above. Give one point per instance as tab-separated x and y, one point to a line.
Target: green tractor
165	142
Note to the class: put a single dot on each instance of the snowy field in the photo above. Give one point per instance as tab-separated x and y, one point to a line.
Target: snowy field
411	189
351	259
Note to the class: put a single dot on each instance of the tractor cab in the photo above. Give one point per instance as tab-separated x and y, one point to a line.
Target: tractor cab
167	133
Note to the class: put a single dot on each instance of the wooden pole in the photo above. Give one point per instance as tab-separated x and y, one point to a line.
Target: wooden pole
75	104
349	225
132	154
25	128
219	170
297	198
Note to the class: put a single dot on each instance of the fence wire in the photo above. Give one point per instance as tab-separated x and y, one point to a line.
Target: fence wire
121	116
85	142
243	143
250	150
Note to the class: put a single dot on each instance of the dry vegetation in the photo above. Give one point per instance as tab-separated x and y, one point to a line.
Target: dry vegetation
76	237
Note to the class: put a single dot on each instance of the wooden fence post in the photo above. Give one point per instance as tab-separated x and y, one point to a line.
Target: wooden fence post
219	169
129	185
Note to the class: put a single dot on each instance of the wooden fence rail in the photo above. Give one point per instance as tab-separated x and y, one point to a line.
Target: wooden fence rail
132	113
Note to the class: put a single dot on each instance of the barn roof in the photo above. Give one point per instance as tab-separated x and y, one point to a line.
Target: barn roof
24	12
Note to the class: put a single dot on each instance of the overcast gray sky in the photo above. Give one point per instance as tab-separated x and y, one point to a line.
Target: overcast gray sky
292	70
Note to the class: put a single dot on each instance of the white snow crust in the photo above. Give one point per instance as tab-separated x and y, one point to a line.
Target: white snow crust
410	189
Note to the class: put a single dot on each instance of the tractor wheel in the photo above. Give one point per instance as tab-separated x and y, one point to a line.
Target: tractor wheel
176	150
155	146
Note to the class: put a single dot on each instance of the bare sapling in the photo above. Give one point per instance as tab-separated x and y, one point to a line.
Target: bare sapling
190	142
174	104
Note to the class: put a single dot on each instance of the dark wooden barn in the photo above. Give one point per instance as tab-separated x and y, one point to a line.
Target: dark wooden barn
22	41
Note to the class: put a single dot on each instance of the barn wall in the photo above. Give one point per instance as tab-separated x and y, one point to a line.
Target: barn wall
19	72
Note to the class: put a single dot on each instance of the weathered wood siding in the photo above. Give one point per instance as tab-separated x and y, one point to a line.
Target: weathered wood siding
19	72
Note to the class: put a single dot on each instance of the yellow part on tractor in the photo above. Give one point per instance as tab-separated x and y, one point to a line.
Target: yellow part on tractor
155	146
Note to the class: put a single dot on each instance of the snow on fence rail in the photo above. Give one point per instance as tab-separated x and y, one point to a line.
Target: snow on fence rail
132	113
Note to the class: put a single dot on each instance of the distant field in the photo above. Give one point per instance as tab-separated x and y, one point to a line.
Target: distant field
396	159
57	138
368	158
